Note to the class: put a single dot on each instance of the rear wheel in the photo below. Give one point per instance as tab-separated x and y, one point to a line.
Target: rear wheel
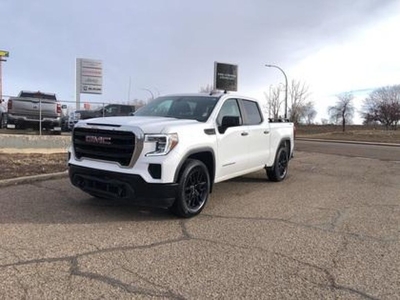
279	170
3	120
194	188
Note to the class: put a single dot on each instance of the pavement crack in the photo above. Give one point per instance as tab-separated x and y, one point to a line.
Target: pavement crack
185	231
99	251
354	291
129	288
169	291
331	282
37	261
339	218
330	278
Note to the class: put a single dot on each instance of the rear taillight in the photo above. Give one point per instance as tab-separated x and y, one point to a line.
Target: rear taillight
58	108
9	104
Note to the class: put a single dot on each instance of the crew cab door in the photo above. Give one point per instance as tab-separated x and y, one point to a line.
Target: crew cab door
258	139
232	145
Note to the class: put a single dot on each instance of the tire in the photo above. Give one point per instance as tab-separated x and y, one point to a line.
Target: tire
2	121
279	170
193	190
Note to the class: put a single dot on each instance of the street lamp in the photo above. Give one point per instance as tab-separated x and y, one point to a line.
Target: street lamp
3	54
286	85
151	93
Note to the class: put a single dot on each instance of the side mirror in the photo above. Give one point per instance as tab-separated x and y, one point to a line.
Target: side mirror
229	121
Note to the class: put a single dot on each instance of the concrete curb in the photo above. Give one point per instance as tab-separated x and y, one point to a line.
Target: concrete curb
33	178
347	142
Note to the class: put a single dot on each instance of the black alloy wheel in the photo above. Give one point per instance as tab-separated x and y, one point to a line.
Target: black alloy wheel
282	164
194	188
279	170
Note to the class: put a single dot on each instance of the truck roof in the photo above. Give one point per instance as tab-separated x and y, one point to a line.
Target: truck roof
37	94
210	95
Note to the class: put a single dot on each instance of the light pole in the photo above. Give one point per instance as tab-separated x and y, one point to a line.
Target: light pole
3	54
286	85
151	93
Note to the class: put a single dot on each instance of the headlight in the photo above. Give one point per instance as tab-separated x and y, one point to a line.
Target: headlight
163	143
77	116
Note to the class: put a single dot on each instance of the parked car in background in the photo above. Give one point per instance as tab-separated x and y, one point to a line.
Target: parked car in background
64	117
34	109
3	114
110	110
73	118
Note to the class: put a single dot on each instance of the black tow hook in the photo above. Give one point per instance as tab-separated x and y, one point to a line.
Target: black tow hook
79	182
121	191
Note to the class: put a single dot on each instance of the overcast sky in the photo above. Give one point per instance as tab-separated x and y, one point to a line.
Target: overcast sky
170	46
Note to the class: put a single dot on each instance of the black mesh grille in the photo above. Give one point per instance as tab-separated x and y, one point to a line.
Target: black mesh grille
108	145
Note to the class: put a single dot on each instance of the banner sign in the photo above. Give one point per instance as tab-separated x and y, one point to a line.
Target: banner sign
89	75
225	77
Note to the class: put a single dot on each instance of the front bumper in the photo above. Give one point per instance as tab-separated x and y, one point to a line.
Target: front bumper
113	185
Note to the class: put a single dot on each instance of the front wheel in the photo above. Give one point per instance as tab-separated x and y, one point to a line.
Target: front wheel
194	188
279	170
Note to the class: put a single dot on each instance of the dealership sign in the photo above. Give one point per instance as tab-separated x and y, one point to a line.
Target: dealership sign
89	74
225	77
4	53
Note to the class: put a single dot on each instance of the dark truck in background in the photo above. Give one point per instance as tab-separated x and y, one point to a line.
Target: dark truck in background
110	110
34	109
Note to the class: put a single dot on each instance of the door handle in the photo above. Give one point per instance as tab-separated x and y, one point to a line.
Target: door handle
266	131
244	133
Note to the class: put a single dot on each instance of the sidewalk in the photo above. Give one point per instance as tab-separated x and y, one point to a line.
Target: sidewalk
347	142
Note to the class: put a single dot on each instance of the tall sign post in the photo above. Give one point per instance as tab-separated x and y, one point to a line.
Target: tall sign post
225	77
89	78
3	54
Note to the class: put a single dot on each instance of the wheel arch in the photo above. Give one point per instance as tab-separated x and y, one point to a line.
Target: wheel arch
284	142
206	156
287	144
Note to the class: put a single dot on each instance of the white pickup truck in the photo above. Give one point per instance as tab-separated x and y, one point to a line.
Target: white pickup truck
173	150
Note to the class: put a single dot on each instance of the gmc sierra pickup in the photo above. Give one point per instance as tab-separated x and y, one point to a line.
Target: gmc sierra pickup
174	149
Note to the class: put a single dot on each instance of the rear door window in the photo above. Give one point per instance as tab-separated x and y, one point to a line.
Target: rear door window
252	112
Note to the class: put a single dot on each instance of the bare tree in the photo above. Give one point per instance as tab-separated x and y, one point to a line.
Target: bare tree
298	95
137	103
274	102
206	89
383	106
309	113
343	111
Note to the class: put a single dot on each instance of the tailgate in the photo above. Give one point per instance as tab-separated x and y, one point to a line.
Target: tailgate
32	107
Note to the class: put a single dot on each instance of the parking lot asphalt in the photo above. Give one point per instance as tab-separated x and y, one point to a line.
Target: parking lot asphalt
331	230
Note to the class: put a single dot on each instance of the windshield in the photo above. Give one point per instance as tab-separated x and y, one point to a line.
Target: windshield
181	107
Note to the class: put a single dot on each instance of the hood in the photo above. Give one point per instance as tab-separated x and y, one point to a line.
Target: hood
146	124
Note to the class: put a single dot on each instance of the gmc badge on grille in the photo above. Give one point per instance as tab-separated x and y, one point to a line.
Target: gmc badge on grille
105	140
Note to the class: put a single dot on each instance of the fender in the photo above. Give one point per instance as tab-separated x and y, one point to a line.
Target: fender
193	152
